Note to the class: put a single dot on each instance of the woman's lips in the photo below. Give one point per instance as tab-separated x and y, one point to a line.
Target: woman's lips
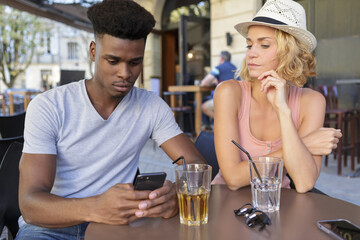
252	65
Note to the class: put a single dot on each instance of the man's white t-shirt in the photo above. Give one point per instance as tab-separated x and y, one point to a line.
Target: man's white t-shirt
93	154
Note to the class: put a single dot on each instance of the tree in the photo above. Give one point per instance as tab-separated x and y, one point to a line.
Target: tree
18	41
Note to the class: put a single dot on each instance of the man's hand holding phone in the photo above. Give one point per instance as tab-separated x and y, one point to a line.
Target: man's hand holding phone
162	201
149	181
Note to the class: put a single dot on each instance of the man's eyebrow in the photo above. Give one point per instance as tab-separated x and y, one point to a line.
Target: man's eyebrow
137	59
119	58
112	56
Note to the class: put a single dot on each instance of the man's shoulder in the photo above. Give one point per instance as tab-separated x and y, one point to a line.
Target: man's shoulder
148	100
67	88
144	95
59	95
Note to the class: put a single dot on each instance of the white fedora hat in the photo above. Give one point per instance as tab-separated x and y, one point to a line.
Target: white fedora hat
286	15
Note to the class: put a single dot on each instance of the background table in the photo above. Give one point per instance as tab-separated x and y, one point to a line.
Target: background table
26	98
197	90
296	219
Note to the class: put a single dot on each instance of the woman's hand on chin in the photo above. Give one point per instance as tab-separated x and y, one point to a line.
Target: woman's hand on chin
275	88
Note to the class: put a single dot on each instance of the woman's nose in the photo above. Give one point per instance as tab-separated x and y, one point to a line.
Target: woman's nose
252	53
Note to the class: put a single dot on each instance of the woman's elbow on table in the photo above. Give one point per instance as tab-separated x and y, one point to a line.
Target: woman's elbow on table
233	184
233	188
305	186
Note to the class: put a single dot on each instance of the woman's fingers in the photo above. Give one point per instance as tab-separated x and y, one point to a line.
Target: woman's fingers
271	82
268	73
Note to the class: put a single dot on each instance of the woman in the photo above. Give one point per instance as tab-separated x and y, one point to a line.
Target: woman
269	113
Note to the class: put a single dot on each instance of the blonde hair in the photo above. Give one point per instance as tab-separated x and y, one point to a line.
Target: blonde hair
296	62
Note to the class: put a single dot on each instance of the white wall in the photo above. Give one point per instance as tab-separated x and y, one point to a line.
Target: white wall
225	14
57	59
33	75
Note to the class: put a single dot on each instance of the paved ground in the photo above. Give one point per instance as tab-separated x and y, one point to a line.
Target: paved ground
153	159
341	187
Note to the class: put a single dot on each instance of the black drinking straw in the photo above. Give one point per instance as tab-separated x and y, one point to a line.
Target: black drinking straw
187	182
252	162
185	170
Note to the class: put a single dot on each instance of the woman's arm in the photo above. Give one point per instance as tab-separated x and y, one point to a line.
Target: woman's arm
303	148
227	103
319	142
303	167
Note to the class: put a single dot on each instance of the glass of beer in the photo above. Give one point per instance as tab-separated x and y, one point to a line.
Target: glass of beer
193	191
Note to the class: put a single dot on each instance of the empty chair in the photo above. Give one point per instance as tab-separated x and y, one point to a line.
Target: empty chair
206	146
12	125
9	187
357	140
6	142
343	119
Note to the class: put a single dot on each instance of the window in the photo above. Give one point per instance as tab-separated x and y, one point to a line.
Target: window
46	79
72	50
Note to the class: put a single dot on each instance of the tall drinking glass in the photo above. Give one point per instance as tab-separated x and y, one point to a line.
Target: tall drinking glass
266	191
193	188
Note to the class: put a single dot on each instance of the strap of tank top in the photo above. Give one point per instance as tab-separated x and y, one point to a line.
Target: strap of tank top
294	104
245	99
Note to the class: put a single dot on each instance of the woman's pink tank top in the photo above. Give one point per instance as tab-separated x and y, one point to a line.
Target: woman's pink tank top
253	145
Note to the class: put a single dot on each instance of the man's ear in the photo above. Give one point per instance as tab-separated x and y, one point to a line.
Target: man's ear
92	50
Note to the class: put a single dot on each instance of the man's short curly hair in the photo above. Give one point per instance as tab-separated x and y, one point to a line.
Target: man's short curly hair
121	18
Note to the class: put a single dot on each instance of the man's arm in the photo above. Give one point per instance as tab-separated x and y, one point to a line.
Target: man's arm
209	81
163	201
181	145
39	207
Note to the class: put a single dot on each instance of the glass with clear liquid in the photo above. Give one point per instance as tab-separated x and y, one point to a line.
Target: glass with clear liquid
266	192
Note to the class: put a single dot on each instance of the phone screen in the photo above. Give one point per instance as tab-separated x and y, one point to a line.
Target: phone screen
343	229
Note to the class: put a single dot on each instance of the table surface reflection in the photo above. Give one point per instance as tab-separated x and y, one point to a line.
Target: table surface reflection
296	219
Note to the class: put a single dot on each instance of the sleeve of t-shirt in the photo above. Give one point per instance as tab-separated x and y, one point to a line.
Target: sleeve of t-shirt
215	72
165	126
41	124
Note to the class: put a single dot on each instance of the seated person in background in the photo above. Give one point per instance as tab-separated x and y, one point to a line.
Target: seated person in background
268	113
83	140
224	71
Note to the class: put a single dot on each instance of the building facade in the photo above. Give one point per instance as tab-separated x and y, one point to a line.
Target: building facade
181	50
335	24
65	48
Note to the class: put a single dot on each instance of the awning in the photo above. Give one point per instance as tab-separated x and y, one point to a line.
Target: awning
70	14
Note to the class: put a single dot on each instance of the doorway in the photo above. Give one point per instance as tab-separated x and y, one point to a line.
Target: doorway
185	42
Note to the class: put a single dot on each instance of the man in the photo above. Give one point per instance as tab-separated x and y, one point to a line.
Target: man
224	71
83	140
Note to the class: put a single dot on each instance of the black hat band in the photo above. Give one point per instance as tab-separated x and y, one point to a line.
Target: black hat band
268	20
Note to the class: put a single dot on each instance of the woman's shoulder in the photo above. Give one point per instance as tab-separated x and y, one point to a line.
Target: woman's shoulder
311	96
228	87
228	93
312	102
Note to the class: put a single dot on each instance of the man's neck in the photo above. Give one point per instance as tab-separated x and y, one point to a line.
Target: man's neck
103	103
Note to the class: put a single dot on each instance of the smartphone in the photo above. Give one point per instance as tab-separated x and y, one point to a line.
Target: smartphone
340	229
149	181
